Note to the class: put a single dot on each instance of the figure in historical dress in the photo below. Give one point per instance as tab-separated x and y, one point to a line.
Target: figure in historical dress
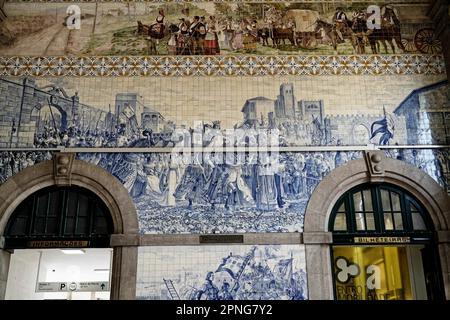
266	194
340	22
183	37
192	184
238	193
225	293
172	43
130	170
209	291
197	32
238	41
211	39
171	180
157	29
310	173
229	33
216	191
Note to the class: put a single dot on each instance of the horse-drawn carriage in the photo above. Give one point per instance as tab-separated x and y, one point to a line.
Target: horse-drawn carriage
297	26
304	27
420	37
409	33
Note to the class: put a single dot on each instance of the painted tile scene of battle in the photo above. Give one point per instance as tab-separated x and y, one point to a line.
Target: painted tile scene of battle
222	28
215	112
238	272
243	192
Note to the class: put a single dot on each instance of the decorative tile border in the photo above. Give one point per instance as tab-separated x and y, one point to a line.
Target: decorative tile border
404	64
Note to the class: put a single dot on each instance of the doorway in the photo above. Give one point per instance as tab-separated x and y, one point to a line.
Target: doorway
59	274
384	246
59	239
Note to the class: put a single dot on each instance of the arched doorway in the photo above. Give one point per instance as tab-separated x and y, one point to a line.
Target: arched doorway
384	247
73	220
373	169
65	171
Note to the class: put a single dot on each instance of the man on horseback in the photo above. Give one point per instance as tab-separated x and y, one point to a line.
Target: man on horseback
340	22
389	16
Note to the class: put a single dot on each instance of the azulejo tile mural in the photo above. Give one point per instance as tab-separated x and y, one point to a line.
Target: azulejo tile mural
216	28
217	112
233	197
238	272
201	197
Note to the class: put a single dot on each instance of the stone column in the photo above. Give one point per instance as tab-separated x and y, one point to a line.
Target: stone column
319	265
124	270
4	268
444	255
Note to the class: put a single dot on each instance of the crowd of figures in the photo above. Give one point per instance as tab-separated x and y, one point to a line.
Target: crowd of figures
200	196
359	32
436	163
73	137
207	35
266	272
253	280
14	162
236	196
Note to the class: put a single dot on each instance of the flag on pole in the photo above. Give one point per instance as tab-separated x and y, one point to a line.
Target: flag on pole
232	265
128	111
283	267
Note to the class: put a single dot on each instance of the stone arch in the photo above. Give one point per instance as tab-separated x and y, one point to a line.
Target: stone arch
375	167
65	170
64	116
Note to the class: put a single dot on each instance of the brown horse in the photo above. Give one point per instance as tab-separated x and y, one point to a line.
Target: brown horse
389	31
389	34
360	30
331	33
264	34
279	34
152	34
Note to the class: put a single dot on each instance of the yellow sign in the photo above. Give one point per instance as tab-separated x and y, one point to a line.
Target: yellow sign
58	244
382	240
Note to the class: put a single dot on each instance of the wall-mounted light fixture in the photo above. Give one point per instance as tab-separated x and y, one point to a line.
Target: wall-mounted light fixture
73	251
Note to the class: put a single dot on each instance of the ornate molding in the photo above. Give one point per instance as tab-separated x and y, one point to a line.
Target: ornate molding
182	66
374	161
62	163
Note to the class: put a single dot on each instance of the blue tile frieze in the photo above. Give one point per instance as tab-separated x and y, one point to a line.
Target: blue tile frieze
239	272
14	162
202	197
50	116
